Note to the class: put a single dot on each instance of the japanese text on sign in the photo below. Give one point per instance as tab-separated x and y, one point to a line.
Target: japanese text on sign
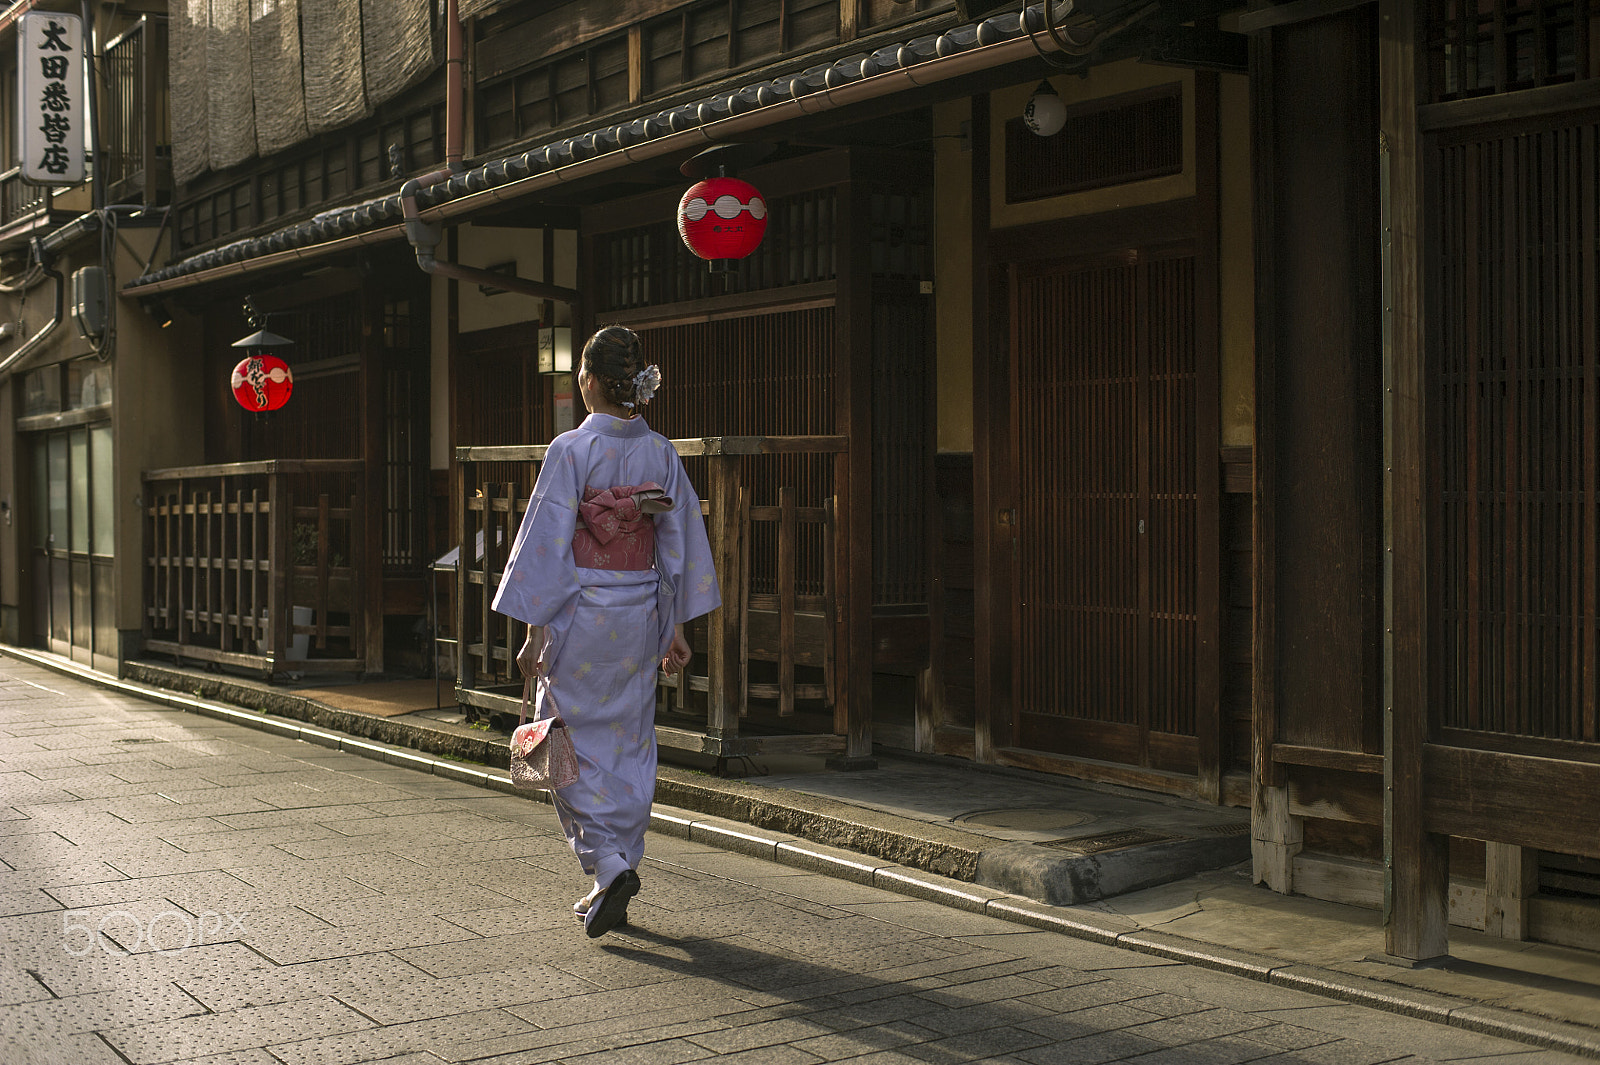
50	123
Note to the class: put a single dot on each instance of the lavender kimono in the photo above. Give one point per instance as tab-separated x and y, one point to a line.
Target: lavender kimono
606	630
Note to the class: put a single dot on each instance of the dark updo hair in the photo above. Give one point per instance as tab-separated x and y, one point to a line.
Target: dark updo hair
614	358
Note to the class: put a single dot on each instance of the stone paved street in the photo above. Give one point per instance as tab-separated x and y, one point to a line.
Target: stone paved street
174	888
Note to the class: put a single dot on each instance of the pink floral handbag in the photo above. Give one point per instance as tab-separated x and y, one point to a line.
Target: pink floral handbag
542	755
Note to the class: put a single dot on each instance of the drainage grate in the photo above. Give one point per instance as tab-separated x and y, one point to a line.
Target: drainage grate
1237	828
1109	841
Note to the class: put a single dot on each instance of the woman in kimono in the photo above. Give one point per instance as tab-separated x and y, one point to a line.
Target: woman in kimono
610	561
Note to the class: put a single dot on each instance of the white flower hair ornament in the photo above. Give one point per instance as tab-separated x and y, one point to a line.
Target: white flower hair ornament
645	384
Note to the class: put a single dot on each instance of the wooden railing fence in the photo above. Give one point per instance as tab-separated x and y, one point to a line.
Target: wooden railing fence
234	552
788	628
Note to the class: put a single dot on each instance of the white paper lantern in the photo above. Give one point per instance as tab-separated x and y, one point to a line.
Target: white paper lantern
1045	113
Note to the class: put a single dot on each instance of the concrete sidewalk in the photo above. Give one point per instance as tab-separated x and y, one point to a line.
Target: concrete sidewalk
1097	863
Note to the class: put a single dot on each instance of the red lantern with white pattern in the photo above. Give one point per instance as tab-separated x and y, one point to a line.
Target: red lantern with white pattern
262	382
722	218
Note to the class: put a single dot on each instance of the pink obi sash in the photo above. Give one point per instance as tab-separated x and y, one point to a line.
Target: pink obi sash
616	530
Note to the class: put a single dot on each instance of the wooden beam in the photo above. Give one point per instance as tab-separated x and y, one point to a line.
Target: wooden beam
1296	11
1512	798
1142	226
1346	761
1416	858
1524	105
729	306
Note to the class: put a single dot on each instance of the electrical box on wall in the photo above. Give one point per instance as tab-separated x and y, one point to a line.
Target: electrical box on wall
89	301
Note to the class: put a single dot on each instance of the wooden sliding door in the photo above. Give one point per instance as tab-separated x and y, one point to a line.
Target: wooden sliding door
1106	394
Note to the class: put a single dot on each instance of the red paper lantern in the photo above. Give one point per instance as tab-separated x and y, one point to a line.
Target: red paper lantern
262	382
722	218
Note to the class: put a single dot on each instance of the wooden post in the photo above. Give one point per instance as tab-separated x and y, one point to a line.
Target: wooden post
635	78
324	529
366	539
724	630
491	563
1275	836
185	571
1511	878
515	631
229	567
1416	862
253	577
1208	432
853	350
991	423
281	558
787	534
466	554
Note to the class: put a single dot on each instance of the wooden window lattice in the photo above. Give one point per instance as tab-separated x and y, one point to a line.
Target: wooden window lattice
705	40
649	266
1476	47
569	87
1131	137
1514	388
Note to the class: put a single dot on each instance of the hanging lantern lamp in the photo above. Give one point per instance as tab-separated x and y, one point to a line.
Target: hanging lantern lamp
1046	113
262	381
721	218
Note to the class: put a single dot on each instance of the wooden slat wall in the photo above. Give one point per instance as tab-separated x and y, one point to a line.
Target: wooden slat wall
900	448
405	438
498	400
1514	401
1077	382
772	375
1171	499
953	584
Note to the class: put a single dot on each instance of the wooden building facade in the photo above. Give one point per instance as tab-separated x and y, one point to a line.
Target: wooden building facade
1425	502
1235	442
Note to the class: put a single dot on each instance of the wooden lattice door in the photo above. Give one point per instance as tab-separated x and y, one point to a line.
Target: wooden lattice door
1514	423
1105	395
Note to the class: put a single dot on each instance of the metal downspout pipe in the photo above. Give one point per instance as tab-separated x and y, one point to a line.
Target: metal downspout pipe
44	254
424	237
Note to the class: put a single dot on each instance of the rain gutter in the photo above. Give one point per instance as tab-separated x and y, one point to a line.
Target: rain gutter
722	130
923	62
16	11
44	254
271	259
424	236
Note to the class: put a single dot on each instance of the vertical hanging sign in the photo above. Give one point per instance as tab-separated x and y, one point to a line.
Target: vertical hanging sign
50	97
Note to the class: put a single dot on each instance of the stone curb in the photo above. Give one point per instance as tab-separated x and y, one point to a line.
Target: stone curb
791	850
